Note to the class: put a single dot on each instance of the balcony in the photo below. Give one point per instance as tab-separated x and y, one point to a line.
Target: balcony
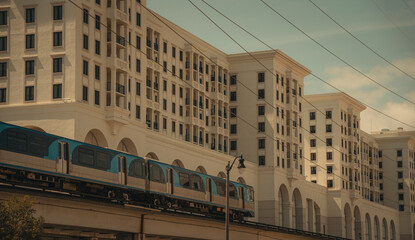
156	126
156	46
187	65
220	79
195	66
194	102
148	43
120	88
187	101
120	15
120	40
148	83
156	86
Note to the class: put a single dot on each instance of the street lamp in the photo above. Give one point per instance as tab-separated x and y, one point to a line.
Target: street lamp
241	165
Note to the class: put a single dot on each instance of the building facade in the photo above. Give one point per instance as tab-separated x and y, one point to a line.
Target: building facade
115	74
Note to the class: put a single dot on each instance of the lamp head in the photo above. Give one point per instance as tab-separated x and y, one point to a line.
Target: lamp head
241	162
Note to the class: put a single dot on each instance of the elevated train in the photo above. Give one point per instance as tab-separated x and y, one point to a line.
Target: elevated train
49	161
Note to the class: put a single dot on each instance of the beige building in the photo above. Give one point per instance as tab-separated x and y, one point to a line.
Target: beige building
113	74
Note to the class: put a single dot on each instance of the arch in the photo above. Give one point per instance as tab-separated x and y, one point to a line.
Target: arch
178	163
348	221
96	137
221	175
152	156
201	169
241	180
297	210
376	231
317	220
357	223
127	145
385	229
392	230
283	206
36	128
368	227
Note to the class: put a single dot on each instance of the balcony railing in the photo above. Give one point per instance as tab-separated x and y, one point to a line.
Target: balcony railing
148	43
148	83
195	66
156	85
156	46
121	40
120	88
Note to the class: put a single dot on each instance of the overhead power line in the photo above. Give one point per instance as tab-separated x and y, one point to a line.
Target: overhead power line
335	55
409	7
360	41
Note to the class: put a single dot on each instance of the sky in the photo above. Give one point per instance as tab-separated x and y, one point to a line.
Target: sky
386	26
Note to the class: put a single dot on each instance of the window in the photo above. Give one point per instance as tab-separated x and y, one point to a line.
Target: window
261	77
57	39
137	88
401	207
30	15
312	142
173	89
97	22
312	115
329	142
313	156
164	123
3	69
313	170
261	93
85	42
138	19
85	67
261	127
137	112
96	97
181	111
97	72
233	80
29	93
400	185
328	114
233	112
173	126
3	43
233	96
138	42
98	2
164	104
57	65
138	65
261	143
329	169
328	128
30	67
164	47
233	128
3	95
329	156
84	93
3	17
164	85
400	196
30	41
57	91
173	51
173	108
181	55
399	164
400	174
173	70
57	12
233	144
261	160
97	47
261	110
85	16
329	183
164	66
399	153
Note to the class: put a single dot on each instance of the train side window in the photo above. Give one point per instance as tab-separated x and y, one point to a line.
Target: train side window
103	160
86	157
250	194
156	173
184	179
38	146
233	192
220	187
196	182
17	141
137	169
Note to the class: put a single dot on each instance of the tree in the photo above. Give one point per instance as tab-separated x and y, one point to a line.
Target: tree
17	220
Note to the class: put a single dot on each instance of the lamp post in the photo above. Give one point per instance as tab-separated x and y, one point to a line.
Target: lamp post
228	169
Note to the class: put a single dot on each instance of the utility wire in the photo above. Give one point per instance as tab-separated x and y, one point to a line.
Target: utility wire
413	12
336	56
251	125
390	20
319	78
360	41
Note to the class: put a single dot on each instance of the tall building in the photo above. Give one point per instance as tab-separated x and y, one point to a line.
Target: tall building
114	74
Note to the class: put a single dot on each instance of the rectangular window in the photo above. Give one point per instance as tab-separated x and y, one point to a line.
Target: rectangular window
261	160
164	66
261	127
3	18
30	67
85	93
400	186
137	88
96	97
329	183
329	169
30	15
138	65
328	114
181	110
261	77
138	42
173	51
164	104
57	12
164	47
164	85
328	128
97	47
57	39
329	155
29	93
97	72
312	142
233	112
399	164
3	43
313	156
164	123
86	16
313	170
261	143
173	126
233	145
137	112
57	65
3	95
85	67
233	129
30	41
399	153
312	115
233	80
57	91
312	129
261	110
97	22
233	96
261	93
85	42
400	174
173	89
329	142
181	55
138	19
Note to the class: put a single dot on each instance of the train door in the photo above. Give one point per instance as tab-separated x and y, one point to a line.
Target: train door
63	162
242	196
170	184
122	170
209	189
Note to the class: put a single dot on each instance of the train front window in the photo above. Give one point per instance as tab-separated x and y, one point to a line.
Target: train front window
103	160
196	182
184	179
86	157
16	141
156	173
137	169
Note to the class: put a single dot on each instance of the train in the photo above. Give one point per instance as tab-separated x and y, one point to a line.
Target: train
39	159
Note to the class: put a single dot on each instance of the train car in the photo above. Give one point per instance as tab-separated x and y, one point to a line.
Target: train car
41	159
